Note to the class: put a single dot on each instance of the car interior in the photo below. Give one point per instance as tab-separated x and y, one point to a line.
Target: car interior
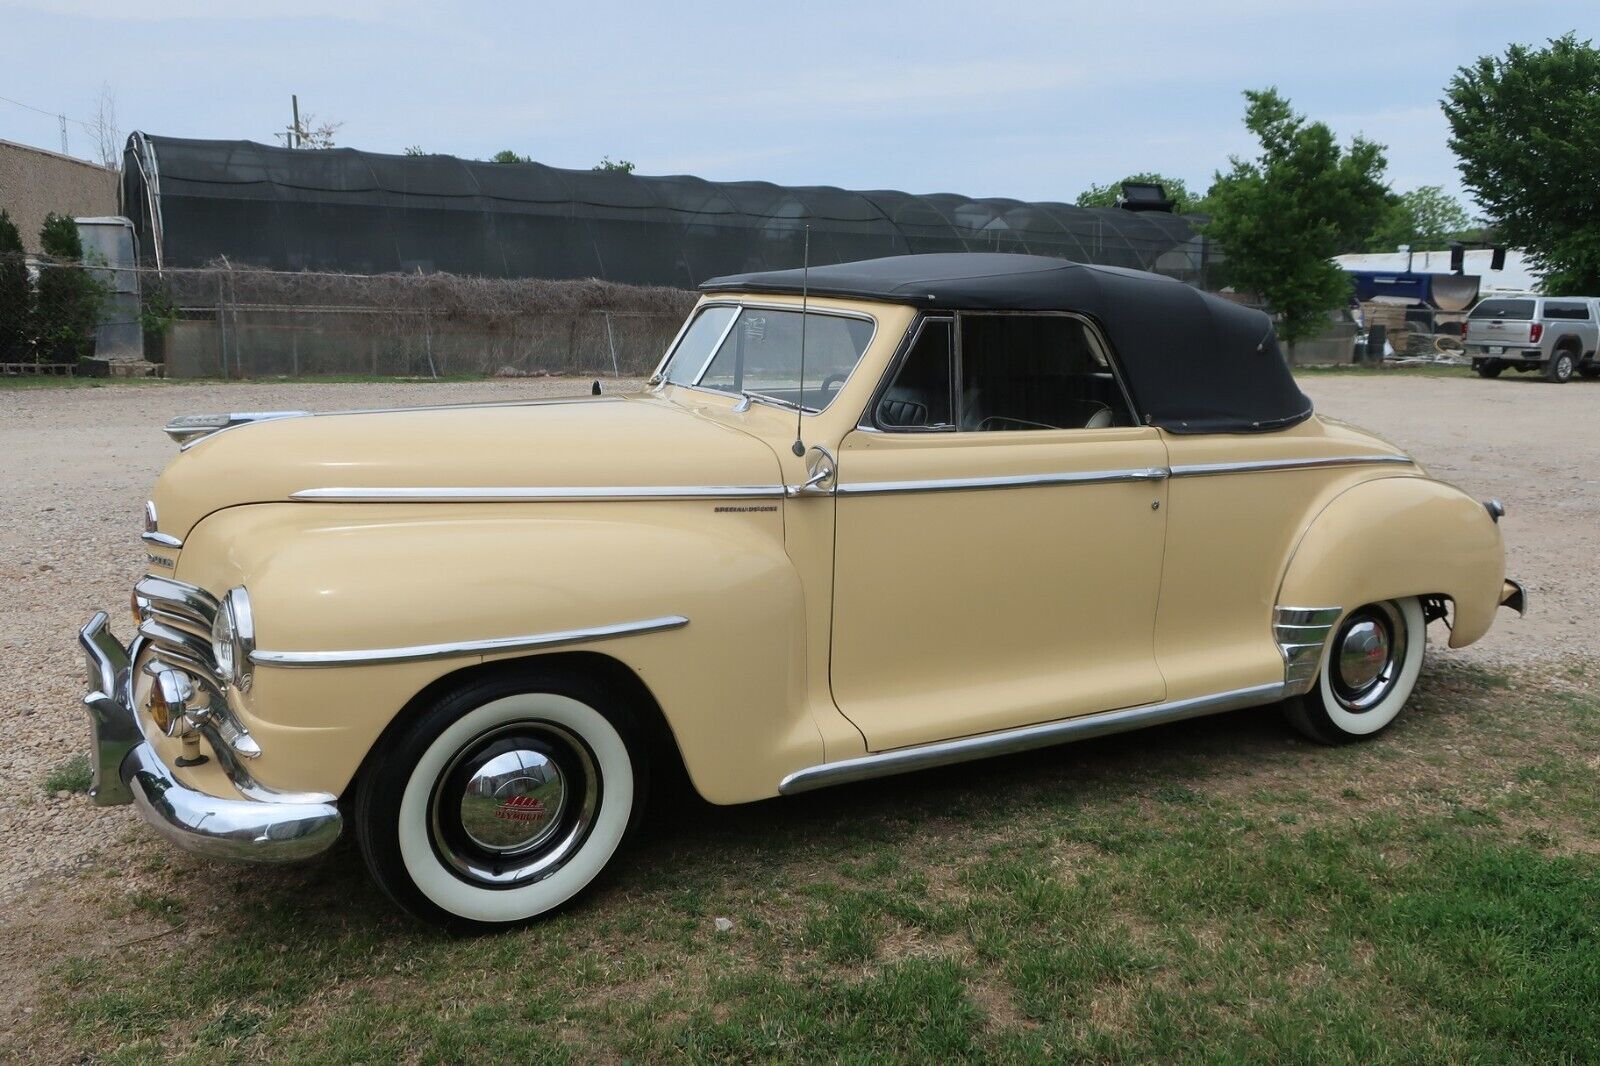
1017	372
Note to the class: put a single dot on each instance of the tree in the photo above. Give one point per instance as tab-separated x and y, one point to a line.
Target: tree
415	150
70	295
1282	216
506	155
16	297
607	163
1184	202
1427	217
1524	127
309	133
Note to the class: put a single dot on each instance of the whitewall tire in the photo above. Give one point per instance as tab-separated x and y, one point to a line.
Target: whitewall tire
503	801
1368	670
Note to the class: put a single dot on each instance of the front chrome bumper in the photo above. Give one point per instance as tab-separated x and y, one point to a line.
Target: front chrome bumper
258	824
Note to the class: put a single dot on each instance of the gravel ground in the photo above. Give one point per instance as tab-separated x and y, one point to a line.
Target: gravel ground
80	463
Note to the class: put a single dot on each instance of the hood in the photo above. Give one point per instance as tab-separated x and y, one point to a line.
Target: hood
604	442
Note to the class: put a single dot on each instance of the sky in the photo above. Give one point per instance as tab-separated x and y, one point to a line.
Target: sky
1032	100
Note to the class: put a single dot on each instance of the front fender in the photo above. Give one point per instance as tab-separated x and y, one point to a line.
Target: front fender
338	577
1401	536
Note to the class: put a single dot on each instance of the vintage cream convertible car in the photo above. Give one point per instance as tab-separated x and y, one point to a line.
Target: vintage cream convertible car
1005	502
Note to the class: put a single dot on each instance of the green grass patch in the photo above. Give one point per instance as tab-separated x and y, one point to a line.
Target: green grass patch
1217	890
73	775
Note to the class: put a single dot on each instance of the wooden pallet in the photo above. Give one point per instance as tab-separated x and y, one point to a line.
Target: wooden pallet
21	369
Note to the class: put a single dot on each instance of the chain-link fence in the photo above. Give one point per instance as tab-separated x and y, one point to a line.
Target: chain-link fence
257	323
224	321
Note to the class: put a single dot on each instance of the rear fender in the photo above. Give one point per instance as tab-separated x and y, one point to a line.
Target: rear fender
1398	537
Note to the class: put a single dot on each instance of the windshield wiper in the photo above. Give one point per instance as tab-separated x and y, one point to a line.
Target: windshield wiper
775	401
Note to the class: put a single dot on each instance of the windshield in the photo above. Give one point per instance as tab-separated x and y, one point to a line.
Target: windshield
1518	310
757	350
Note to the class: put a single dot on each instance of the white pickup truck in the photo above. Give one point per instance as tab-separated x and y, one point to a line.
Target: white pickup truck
1556	335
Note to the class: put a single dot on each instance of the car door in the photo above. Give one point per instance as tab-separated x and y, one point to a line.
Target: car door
1000	527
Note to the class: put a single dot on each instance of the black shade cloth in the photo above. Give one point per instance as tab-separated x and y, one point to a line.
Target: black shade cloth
1195	363
367	213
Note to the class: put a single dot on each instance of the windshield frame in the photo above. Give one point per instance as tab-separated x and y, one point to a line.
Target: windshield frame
741	306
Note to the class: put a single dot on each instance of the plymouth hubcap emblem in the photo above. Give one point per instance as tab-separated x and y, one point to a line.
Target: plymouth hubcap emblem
513	802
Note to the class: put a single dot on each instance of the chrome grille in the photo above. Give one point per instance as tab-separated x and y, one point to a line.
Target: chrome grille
176	619
175	622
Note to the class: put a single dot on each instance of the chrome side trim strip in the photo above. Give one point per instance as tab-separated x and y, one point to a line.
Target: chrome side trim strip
946	752
1211	469
536	494
1084	477
575	493
419	652
165	540
1302	633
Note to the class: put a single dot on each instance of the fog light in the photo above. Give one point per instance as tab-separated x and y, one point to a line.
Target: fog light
169	701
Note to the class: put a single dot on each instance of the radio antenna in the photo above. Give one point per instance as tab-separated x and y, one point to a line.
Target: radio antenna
799	447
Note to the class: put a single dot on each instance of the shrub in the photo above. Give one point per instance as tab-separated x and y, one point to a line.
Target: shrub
16	297
70	296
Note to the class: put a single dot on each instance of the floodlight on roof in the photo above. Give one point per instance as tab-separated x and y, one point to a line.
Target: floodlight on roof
1145	196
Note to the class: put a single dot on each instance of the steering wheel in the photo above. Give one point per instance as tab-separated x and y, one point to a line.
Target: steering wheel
835	380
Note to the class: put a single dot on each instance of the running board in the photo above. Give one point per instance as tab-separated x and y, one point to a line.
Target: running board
946	752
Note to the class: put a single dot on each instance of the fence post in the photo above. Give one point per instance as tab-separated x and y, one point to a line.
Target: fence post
222	332
616	368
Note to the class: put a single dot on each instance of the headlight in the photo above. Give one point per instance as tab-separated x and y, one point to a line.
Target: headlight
233	638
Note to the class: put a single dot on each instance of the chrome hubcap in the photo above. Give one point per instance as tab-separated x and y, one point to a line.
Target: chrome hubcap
515	804
1363	654
1368	653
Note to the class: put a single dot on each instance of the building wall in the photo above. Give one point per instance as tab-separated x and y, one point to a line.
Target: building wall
34	182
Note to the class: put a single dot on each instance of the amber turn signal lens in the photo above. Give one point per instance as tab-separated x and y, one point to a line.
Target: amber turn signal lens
159	709
133	606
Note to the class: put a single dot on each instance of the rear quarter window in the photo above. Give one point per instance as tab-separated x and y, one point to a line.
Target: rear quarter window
1515	310
1572	310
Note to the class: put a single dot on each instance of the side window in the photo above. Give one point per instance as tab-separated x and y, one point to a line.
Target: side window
1032	372
920	396
1576	311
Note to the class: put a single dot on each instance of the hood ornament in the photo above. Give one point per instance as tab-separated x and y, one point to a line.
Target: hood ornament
186	429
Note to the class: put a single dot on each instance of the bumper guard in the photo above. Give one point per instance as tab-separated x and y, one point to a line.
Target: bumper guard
261	826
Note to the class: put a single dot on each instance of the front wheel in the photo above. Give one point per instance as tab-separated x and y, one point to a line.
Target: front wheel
503	800
1368	671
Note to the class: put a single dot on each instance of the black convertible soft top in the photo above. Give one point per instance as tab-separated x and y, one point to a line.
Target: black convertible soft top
1195	363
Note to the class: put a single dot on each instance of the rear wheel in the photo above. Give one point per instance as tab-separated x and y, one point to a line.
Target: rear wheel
1368	671
1489	368
1560	367
504	800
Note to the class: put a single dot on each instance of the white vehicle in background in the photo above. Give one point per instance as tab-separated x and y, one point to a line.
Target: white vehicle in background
1555	335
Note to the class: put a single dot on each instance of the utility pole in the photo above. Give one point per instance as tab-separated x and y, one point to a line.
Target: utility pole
63	119
294	131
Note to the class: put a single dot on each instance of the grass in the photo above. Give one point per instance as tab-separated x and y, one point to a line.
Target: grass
73	775
1212	891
